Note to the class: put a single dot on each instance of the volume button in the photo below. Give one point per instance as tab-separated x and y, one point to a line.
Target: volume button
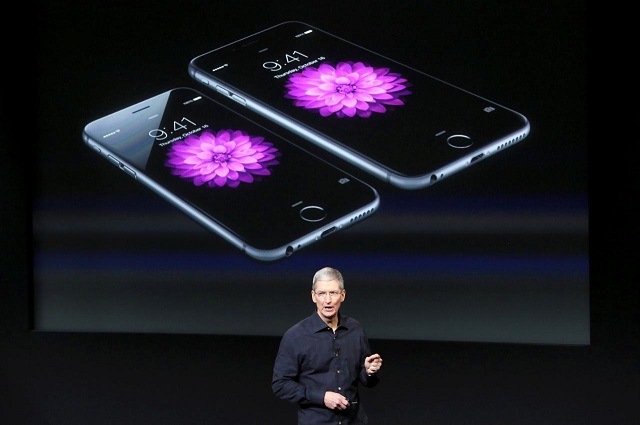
122	166
223	91
238	99
128	171
114	160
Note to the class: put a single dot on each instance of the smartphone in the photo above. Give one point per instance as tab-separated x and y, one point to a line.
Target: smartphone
260	192
399	124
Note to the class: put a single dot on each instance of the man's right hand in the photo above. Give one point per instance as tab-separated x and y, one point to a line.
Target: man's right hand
335	401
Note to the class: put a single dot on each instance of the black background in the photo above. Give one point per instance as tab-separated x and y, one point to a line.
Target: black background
85	63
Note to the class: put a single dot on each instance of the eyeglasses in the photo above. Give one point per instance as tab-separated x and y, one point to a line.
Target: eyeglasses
332	294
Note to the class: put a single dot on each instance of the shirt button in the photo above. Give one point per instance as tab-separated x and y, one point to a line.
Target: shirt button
338	371
339	388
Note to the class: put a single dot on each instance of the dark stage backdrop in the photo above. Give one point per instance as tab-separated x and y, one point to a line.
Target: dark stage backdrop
496	253
489	250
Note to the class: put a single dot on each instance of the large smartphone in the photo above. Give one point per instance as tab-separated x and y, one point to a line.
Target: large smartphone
397	123
262	193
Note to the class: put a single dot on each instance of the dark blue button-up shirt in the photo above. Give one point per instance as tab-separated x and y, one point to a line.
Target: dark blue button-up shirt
312	360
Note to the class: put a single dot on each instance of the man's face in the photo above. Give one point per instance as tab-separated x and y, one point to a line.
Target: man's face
328	298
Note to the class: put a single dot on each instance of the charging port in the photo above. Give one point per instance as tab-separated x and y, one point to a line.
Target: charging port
477	158
328	231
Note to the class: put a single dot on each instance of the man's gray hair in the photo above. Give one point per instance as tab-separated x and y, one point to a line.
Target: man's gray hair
328	273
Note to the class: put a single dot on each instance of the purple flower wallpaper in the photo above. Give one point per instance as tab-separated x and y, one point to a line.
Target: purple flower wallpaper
347	90
226	158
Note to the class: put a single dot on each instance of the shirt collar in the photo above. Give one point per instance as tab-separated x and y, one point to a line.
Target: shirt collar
318	324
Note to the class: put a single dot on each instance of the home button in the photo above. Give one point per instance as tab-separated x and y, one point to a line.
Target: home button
313	213
459	141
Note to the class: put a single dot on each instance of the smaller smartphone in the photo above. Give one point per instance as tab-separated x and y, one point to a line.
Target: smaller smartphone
397	123
258	191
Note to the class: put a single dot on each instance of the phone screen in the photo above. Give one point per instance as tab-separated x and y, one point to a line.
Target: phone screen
230	173
382	114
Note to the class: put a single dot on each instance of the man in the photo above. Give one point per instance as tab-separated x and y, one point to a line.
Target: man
323	358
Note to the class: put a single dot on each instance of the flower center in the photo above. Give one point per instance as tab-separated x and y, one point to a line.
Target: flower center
220	157
345	88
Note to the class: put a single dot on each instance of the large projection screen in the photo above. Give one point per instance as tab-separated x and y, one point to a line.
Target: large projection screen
496	253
